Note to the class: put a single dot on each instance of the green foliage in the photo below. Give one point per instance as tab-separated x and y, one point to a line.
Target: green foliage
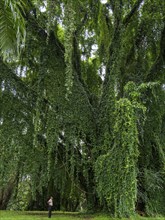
68	43
60	34
105	30
117	170
91	76
77	134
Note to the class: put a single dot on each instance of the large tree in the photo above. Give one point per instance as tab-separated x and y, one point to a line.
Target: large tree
82	113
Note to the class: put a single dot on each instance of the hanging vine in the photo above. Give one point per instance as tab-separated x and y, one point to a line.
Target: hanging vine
69	23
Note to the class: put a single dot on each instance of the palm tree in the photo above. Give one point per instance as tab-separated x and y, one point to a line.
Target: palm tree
12	26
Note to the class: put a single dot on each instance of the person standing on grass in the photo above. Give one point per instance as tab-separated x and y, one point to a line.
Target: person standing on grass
50	206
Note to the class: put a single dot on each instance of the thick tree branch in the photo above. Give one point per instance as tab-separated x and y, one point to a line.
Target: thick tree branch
132	12
160	61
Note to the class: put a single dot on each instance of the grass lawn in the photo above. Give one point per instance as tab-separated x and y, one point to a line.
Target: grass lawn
16	215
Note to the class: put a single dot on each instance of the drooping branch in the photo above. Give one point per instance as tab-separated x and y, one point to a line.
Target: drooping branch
81	26
162	44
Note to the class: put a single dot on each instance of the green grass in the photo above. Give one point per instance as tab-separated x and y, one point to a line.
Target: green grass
37	215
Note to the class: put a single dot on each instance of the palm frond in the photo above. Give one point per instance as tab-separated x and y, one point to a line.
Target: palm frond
12	25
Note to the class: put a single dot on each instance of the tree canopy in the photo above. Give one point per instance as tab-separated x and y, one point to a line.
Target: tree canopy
82	113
